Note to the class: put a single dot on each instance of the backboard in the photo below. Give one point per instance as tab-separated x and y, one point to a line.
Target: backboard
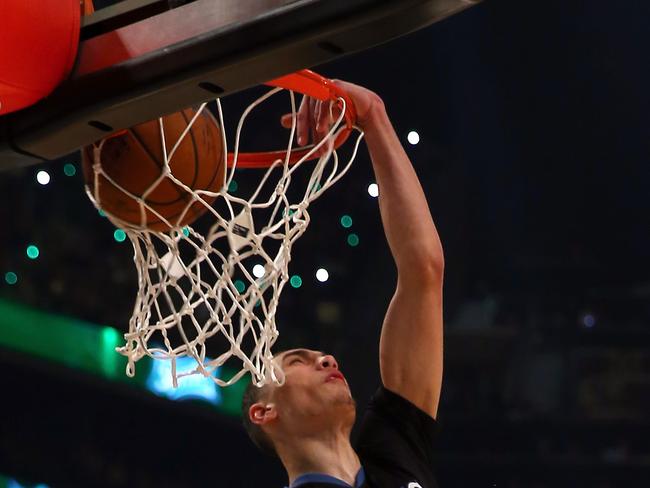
141	59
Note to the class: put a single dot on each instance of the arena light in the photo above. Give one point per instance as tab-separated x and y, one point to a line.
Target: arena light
258	271
353	240
11	278
32	251
373	190
322	275
413	138
119	235
296	281
195	386
43	177
12	483
240	286
90	348
69	169
588	320
111	363
346	221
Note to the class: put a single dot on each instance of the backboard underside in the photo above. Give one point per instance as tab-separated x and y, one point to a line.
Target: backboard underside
194	53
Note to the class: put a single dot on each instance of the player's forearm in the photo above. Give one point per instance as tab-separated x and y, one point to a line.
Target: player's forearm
409	227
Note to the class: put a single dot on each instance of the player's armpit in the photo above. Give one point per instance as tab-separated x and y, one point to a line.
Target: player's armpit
411	346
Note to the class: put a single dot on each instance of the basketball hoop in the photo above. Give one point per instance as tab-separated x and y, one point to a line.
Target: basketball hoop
196	288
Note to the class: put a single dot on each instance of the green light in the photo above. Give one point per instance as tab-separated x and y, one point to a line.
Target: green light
240	286
69	169
296	281
32	251
119	235
11	278
90	348
233	186
186	231
106	355
353	240
102	213
346	221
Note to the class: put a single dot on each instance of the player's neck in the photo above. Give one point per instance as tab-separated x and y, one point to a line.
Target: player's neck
330	454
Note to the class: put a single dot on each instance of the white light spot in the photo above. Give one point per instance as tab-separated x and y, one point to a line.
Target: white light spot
322	275
589	320
413	137
373	190
258	270
43	177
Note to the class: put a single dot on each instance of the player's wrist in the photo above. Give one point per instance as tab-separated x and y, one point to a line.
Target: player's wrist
375	113
375	117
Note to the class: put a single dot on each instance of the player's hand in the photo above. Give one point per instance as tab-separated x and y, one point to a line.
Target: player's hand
315	118
366	102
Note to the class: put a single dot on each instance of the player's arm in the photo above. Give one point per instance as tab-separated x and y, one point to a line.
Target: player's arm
411	345
411	338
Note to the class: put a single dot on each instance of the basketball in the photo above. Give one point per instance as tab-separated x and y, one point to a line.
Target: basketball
133	160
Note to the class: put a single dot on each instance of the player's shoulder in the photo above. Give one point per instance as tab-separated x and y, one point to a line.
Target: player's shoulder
390	417
389	402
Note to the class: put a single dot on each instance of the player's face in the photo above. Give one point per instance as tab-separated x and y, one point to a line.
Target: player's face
314	387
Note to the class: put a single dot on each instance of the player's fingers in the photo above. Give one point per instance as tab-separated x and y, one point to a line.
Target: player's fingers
319	119
331	118
326	117
325	123
303	121
337	108
312	120
318	129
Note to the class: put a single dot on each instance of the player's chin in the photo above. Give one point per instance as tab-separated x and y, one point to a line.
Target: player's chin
342	395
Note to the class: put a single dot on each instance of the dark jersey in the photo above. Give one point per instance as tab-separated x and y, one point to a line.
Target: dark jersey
395	446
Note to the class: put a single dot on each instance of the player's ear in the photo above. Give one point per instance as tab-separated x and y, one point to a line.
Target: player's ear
262	413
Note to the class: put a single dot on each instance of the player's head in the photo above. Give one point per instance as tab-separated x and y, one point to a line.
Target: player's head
314	399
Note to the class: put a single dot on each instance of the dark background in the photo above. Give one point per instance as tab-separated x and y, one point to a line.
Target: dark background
535	140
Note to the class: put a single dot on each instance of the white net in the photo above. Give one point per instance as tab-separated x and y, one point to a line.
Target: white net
220	286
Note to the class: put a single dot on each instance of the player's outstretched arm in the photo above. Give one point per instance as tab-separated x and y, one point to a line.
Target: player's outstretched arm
411	349
411	345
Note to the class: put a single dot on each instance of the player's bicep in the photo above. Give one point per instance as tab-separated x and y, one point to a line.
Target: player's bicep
411	346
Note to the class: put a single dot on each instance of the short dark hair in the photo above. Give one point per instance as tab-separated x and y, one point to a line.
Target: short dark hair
261	439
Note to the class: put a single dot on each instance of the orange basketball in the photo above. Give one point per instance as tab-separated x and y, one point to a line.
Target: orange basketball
134	160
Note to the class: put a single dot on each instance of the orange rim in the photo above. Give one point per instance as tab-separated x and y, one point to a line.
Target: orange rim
313	85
